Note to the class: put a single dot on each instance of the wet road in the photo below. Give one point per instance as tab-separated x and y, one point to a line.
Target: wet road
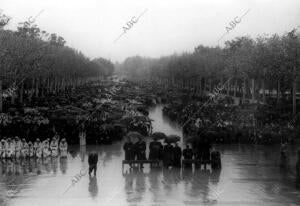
250	175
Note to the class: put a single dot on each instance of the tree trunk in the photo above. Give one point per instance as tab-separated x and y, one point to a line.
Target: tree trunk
235	87
278	92
253	89
264	91
294	97
200	86
21	93
1	105
228	87
244	90
37	87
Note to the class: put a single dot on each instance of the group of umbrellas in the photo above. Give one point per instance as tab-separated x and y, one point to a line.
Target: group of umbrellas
156	135
173	138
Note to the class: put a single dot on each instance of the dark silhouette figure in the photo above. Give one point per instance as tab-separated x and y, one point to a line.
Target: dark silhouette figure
129	150
140	150
93	160
216	160
206	147
177	155
155	148
187	154
168	155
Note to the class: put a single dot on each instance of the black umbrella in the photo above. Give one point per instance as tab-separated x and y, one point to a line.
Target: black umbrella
158	135
172	139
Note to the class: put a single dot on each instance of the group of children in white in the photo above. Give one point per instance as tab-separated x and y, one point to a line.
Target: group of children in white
11	148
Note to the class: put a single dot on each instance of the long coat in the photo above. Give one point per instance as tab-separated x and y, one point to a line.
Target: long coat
129	150
140	150
155	150
177	156
168	155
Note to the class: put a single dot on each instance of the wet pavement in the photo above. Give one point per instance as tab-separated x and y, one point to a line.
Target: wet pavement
250	175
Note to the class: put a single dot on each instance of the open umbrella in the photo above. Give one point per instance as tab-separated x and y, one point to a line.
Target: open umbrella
172	139
158	135
134	135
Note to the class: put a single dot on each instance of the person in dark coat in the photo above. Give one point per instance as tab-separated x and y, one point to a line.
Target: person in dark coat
206	147
140	150
93	160
154	150
168	155
177	155
187	154
129	150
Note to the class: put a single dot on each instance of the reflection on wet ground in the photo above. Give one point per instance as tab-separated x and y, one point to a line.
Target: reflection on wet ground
250	175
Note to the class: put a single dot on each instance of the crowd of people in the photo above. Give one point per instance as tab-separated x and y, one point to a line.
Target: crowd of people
171	154
15	148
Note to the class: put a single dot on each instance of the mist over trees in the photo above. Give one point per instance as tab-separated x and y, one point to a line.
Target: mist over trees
35	62
253	67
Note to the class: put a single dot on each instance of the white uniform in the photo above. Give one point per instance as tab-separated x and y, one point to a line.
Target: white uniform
82	138
3	149
46	149
18	148
54	148
30	150
63	147
25	149
38	149
10	150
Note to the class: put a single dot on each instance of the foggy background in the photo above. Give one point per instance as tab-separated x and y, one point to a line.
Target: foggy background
167	27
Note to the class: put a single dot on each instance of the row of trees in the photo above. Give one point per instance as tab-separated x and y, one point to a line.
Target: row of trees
34	62
249	67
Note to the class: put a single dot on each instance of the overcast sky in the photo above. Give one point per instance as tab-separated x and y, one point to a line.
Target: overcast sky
167	26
